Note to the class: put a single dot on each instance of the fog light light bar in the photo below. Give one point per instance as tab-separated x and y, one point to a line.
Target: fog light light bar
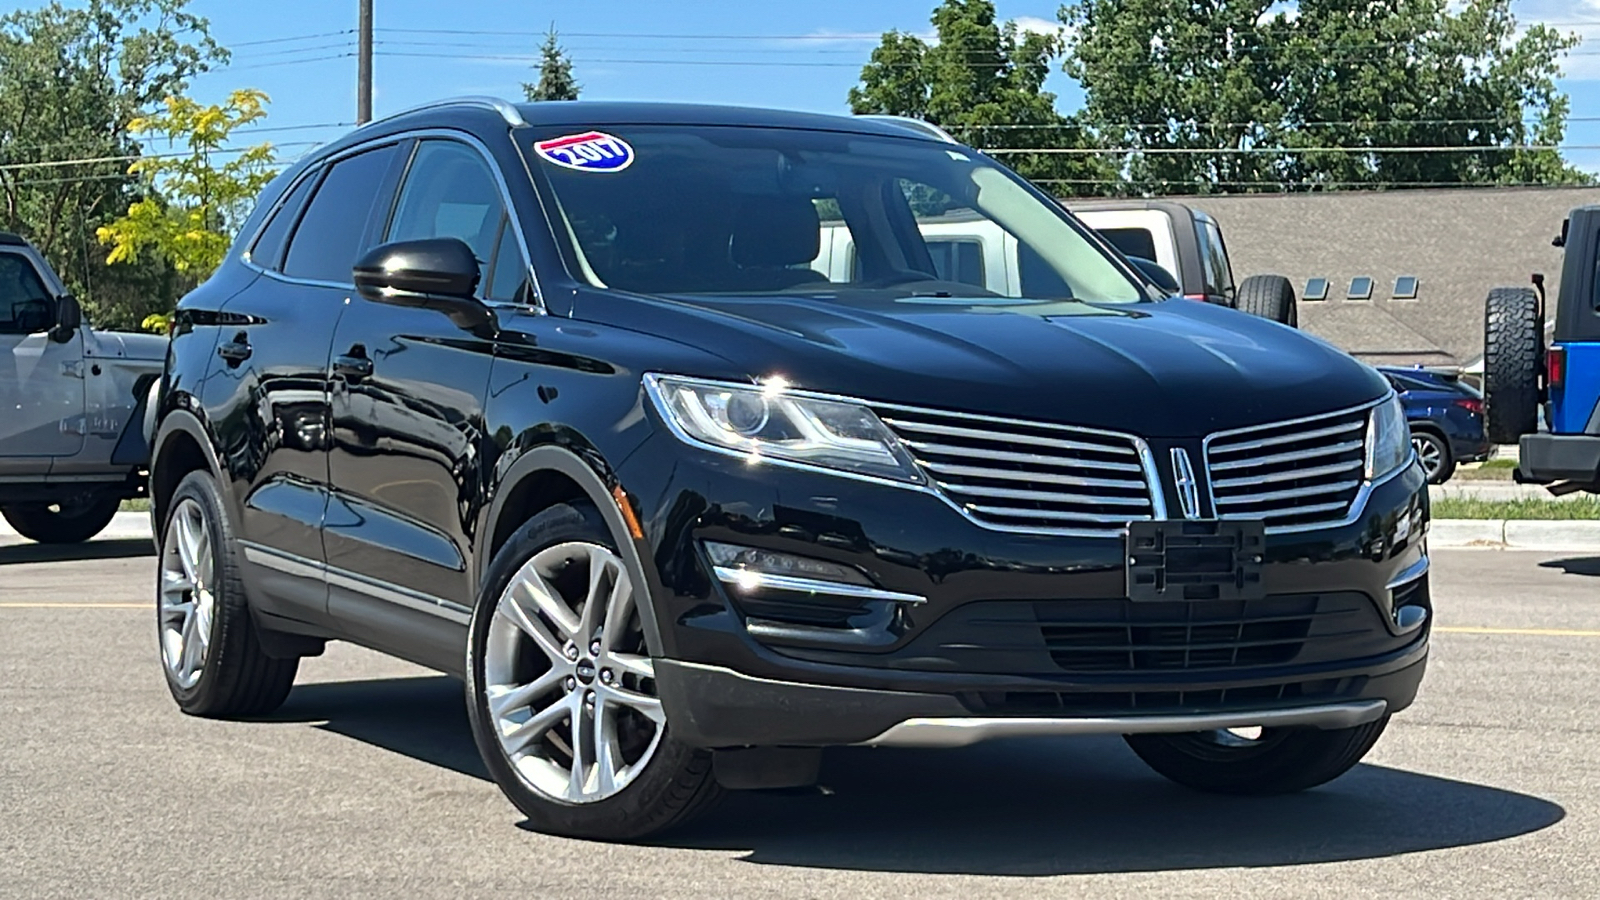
751	570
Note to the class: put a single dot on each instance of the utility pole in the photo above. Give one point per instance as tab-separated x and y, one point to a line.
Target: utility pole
364	65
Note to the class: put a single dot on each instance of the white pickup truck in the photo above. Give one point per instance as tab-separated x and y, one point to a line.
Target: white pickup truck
1186	244
72	443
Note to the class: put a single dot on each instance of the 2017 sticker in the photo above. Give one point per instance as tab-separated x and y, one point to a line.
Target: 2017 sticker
592	151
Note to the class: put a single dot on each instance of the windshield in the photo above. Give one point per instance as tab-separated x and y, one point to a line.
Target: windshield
745	210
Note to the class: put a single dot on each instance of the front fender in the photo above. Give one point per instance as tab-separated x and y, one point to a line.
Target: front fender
601	489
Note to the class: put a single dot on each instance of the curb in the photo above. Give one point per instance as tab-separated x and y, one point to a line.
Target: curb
1515	534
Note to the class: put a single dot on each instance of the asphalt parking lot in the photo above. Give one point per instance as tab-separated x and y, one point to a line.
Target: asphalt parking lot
366	783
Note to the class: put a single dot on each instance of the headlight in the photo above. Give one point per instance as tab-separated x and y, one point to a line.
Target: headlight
1388	439
769	423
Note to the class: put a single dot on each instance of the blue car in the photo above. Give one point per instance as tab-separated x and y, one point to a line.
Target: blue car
1446	418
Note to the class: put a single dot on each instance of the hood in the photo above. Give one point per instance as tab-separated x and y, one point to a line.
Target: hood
1173	368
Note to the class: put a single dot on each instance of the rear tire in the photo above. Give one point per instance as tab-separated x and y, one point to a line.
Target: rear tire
1279	761
72	522
1270	297
1433	452
553	677
1512	343
210	652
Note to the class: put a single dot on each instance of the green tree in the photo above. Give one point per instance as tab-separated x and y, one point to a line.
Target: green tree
194	201
555	73
984	82
1239	95
71	81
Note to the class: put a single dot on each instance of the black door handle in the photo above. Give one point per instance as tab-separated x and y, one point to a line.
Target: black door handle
237	350
352	368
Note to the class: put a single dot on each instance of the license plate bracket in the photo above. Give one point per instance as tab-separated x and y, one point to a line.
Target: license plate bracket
1196	559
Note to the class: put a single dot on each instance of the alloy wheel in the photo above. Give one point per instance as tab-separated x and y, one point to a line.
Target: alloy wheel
569	685
186	604
1429	453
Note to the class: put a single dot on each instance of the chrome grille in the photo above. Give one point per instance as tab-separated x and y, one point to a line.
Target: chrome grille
1300	473
1028	476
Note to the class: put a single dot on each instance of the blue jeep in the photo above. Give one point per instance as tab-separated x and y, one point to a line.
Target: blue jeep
1520	374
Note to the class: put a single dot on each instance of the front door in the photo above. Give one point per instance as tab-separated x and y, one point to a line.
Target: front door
408	427
41	381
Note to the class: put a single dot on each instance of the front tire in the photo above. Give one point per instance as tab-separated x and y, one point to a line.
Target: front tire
1272	761
210	652
561	688
70	522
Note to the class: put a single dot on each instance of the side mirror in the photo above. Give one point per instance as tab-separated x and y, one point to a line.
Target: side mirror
69	318
437	273
1159	276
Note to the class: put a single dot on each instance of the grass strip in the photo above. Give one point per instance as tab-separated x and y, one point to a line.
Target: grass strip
1475	508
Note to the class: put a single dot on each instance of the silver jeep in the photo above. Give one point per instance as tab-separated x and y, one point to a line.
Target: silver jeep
72	401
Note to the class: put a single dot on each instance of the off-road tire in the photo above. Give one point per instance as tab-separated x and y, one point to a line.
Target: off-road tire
1284	761
1512	347
675	786
67	523
1270	297
239	679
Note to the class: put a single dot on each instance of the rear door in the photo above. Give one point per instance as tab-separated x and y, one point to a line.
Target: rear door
274	345
41	381
408	426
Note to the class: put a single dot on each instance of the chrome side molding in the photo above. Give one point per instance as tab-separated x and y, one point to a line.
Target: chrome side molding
964	730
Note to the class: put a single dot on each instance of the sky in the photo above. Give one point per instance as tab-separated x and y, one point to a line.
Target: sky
802	56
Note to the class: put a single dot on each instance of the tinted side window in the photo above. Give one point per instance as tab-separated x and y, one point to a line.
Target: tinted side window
1219	279
25	306
450	191
1132	241
329	237
510	269
267	251
958	260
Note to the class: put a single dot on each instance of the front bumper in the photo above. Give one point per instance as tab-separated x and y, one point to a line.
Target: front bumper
1014	633
1548	458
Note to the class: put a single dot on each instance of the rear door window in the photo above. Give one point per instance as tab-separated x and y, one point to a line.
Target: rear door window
1132	241
332	231
960	261
268	249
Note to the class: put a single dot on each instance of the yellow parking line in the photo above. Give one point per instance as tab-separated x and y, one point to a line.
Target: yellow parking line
77	606
1536	632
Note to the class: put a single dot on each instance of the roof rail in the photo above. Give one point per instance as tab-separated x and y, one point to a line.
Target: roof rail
926	128
12	240
506	110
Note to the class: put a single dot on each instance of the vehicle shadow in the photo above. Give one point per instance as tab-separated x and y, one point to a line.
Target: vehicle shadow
1577	565
1039	807
115	548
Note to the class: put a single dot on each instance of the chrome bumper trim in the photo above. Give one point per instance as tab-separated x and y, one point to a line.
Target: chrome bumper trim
1409	574
959	732
749	580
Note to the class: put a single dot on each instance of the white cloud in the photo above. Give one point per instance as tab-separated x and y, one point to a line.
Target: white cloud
1036	25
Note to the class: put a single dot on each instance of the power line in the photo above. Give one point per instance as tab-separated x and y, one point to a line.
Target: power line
298	37
285	62
94	160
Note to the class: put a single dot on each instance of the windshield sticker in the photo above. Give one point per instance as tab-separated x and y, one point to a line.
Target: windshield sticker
592	151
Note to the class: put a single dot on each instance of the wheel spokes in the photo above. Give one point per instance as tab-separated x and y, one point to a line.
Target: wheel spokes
533	588
519	737
505	699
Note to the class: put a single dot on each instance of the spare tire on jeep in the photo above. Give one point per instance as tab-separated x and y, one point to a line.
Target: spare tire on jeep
1270	297
1513	342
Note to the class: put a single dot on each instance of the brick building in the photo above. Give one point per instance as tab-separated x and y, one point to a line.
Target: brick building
1457	243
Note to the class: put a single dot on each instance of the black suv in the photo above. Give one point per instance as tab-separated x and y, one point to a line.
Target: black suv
563	400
